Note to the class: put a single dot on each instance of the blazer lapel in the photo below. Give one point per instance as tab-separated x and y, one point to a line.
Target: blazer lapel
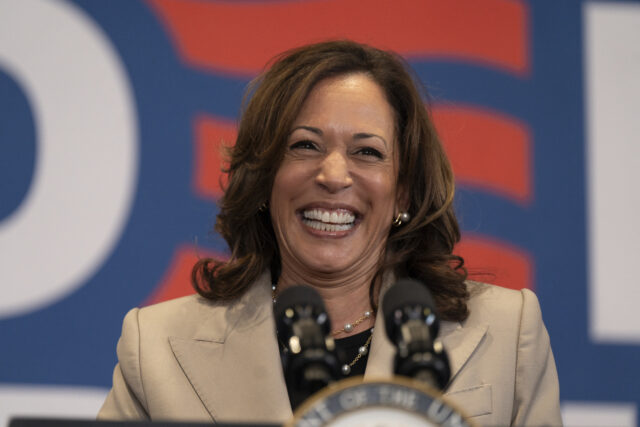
233	362
459	341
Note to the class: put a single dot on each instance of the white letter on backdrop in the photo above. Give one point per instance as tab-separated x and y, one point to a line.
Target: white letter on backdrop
86	152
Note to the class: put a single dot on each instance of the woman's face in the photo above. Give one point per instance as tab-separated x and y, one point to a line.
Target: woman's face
334	196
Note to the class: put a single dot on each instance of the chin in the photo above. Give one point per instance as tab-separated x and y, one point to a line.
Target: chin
330	266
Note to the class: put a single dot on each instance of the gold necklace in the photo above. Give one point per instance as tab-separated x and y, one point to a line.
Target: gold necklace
347	328
362	351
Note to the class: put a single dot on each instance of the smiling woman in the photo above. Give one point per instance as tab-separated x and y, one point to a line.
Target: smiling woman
334	195
335	121
338	181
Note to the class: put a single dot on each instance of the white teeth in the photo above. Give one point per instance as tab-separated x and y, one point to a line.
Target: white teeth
327	227
331	221
327	217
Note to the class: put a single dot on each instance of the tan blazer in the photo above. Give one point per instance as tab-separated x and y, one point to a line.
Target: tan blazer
191	359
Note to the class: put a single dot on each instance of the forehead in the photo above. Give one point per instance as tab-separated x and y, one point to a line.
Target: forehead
355	98
355	84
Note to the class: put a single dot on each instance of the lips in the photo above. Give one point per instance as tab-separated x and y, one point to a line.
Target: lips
329	220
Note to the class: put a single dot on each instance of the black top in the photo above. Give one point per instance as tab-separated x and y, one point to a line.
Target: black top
347	349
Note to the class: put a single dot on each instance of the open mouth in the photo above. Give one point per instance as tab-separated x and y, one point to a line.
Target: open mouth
334	220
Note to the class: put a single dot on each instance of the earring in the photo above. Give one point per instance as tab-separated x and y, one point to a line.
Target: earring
263	207
401	219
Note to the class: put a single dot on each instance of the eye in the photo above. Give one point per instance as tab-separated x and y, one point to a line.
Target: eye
304	144
370	151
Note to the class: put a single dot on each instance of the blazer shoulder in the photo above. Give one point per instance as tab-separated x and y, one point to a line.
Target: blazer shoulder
178	306
508	312
495	302
178	317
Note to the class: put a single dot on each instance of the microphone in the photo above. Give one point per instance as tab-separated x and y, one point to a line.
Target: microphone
304	329
412	326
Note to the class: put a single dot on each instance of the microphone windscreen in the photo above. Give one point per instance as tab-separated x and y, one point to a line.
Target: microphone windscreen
405	292
297	295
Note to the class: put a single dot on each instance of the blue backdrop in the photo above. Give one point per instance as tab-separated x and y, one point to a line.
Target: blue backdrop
186	81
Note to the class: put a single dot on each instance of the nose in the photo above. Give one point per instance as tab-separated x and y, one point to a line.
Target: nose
334	174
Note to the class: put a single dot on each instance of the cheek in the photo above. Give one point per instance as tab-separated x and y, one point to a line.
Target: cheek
281	180
382	188
286	185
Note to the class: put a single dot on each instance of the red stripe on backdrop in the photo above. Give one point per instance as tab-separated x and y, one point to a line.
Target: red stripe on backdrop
177	279
240	37
212	134
493	261
487	150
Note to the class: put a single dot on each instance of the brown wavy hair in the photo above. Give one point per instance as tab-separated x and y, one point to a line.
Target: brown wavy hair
422	248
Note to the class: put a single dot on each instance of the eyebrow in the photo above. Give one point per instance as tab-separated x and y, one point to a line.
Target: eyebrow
364	135
359	135
309	128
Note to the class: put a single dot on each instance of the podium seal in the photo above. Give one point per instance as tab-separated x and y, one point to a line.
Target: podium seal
396	402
